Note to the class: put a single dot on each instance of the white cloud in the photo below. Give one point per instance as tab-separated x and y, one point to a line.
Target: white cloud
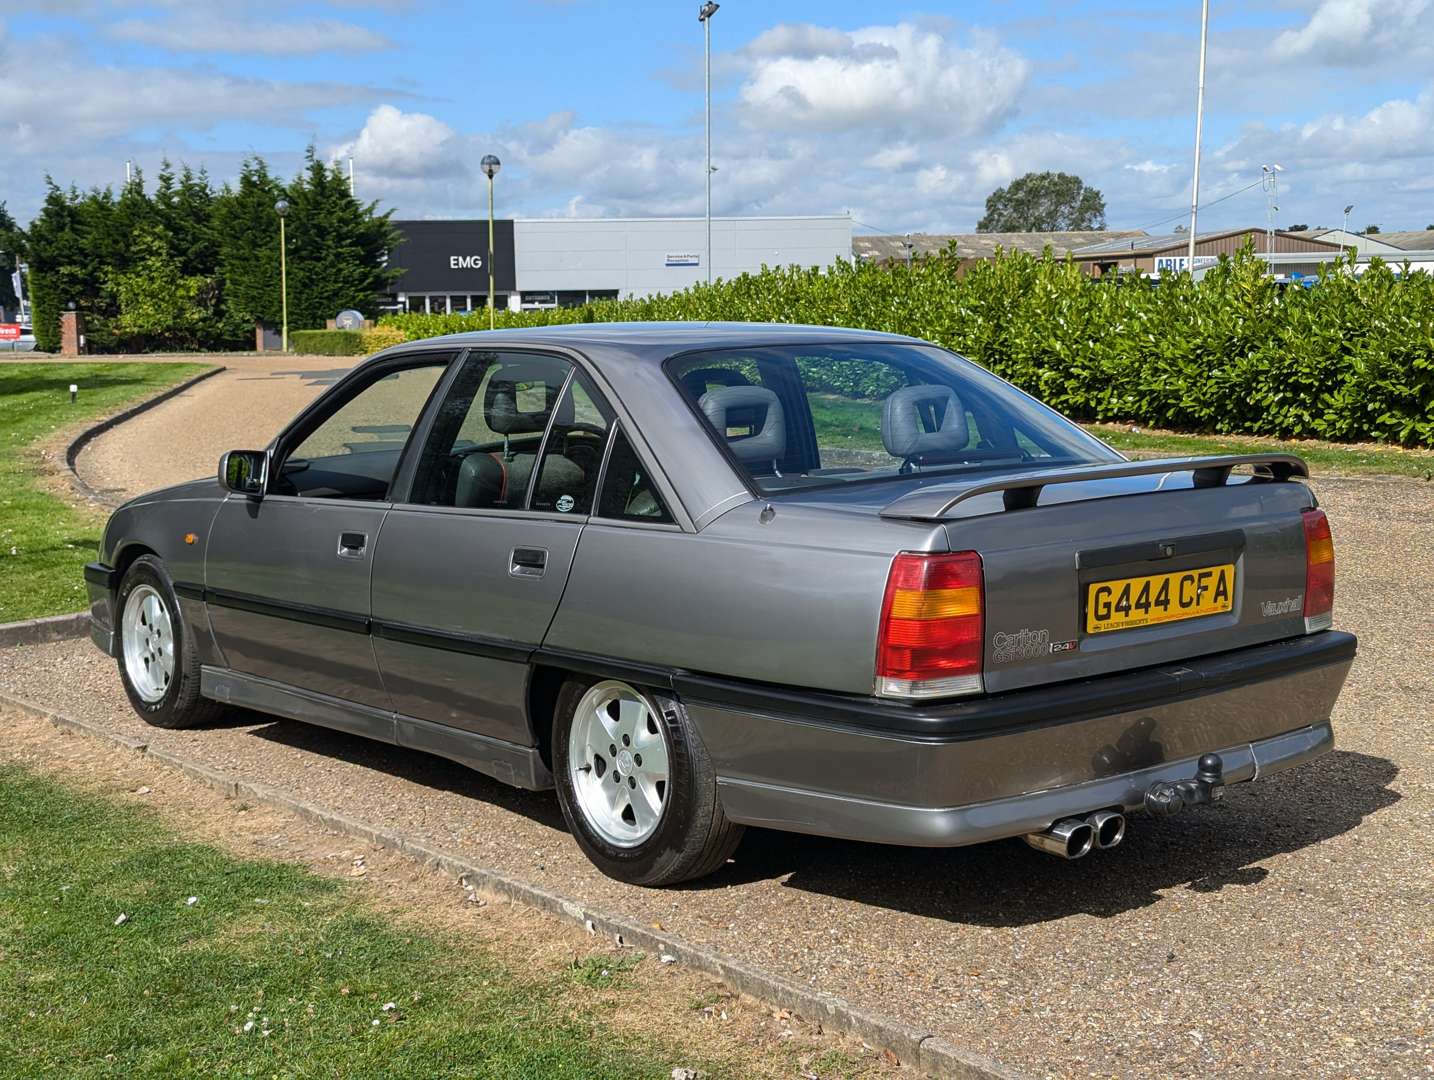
902	78
198	31
1356	32
397	145
1150	168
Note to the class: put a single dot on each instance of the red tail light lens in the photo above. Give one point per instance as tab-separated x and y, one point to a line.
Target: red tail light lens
1319	572
932	627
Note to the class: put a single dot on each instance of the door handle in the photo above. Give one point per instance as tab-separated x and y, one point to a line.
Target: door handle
528	562
352	544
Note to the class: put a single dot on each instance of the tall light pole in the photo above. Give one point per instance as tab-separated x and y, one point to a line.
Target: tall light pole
704	16
1272	193
1199	124
282	209
490	165
1347	209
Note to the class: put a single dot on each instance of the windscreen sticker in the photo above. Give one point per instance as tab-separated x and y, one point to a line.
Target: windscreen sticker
565	503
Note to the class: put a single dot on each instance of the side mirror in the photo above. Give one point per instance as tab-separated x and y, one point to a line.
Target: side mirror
245	472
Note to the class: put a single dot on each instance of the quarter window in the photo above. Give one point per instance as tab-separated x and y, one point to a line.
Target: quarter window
628	492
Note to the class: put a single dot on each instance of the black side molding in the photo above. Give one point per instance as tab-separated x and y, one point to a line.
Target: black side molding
1020	710
472	644
97	573
304	613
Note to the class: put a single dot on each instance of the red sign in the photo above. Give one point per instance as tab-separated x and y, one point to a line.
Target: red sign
9	331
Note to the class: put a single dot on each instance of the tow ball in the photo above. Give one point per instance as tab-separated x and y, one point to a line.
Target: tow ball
1166	798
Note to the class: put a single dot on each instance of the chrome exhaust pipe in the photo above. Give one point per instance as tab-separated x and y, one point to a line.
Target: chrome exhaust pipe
1070	838
1109	828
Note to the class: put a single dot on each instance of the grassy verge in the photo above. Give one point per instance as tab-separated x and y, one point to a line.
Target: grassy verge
45	542
272	970
1349	459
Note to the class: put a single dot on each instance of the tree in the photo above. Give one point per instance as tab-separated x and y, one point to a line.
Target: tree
1297	228
246	232
1043	202
1371	230
158	304
12	243
337	247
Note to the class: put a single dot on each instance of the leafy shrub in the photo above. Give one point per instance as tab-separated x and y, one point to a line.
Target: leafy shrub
327	342
377	338
1351	358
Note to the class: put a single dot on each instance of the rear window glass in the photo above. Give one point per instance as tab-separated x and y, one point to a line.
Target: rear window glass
803	415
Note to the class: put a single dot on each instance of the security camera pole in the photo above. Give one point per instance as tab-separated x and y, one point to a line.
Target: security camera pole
282	209
491	165
704	16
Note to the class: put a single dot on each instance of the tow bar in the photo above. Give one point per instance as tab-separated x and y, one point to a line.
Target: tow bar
1166	798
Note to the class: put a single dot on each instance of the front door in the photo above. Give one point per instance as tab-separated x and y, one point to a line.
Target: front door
470	567
287	576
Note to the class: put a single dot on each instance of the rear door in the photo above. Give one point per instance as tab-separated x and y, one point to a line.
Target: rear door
287	576
472	562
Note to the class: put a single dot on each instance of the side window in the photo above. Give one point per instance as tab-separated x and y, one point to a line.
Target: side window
483	449
628	492
572	455
353	453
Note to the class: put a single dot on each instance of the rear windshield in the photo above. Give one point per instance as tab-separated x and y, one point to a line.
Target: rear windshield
798	416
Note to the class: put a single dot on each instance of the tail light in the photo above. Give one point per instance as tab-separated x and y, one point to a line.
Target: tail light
1319	572
932	626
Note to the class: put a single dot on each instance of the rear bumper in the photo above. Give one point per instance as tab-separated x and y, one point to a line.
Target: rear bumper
1014	763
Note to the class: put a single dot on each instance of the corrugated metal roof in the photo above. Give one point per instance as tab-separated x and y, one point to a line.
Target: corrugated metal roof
976	245
1413	240
1146	245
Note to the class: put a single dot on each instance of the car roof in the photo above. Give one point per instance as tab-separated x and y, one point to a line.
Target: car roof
664	337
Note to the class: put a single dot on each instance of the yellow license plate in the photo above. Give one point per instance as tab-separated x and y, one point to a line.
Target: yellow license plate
1159	598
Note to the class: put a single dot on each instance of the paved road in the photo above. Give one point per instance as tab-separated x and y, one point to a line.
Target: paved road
1287	932
242	408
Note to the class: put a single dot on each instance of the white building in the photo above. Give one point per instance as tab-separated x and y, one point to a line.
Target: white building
563	262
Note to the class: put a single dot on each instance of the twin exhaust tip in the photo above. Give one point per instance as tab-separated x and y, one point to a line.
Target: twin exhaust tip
1071	838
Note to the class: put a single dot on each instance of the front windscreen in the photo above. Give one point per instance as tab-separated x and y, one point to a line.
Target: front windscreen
798	416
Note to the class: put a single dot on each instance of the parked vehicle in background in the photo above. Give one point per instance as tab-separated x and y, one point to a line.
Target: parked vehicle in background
16	338
702	576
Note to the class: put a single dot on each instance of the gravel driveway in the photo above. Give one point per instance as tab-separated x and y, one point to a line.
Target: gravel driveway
241	408
1285	932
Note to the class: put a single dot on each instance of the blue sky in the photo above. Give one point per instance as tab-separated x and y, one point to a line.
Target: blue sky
906	119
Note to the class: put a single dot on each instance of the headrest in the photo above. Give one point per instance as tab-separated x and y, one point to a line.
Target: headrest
501	413
699	379
768	443
920	420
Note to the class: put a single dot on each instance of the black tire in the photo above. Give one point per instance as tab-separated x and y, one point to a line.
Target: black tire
180	706
693	838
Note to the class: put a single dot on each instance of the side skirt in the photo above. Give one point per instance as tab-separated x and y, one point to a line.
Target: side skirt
520	766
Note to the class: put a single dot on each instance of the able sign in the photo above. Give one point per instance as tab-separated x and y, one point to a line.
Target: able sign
9	331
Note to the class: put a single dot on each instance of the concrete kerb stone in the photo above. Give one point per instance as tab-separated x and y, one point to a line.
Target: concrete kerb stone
49	628
911	1046
84	438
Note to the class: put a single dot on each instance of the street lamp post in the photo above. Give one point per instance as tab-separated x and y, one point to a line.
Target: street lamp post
1347	209
282	209
704	16
1199	123
490	165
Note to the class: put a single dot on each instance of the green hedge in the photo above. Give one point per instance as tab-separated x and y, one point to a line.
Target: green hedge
1350	359
328	342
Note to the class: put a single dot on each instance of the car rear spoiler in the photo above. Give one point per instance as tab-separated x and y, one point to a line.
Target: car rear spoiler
1022	490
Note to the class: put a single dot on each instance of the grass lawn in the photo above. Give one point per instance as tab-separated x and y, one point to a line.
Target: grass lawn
1348	459
45	542
271	971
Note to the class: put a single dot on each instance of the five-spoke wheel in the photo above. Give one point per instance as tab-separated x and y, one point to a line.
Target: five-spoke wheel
147	634
636	785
